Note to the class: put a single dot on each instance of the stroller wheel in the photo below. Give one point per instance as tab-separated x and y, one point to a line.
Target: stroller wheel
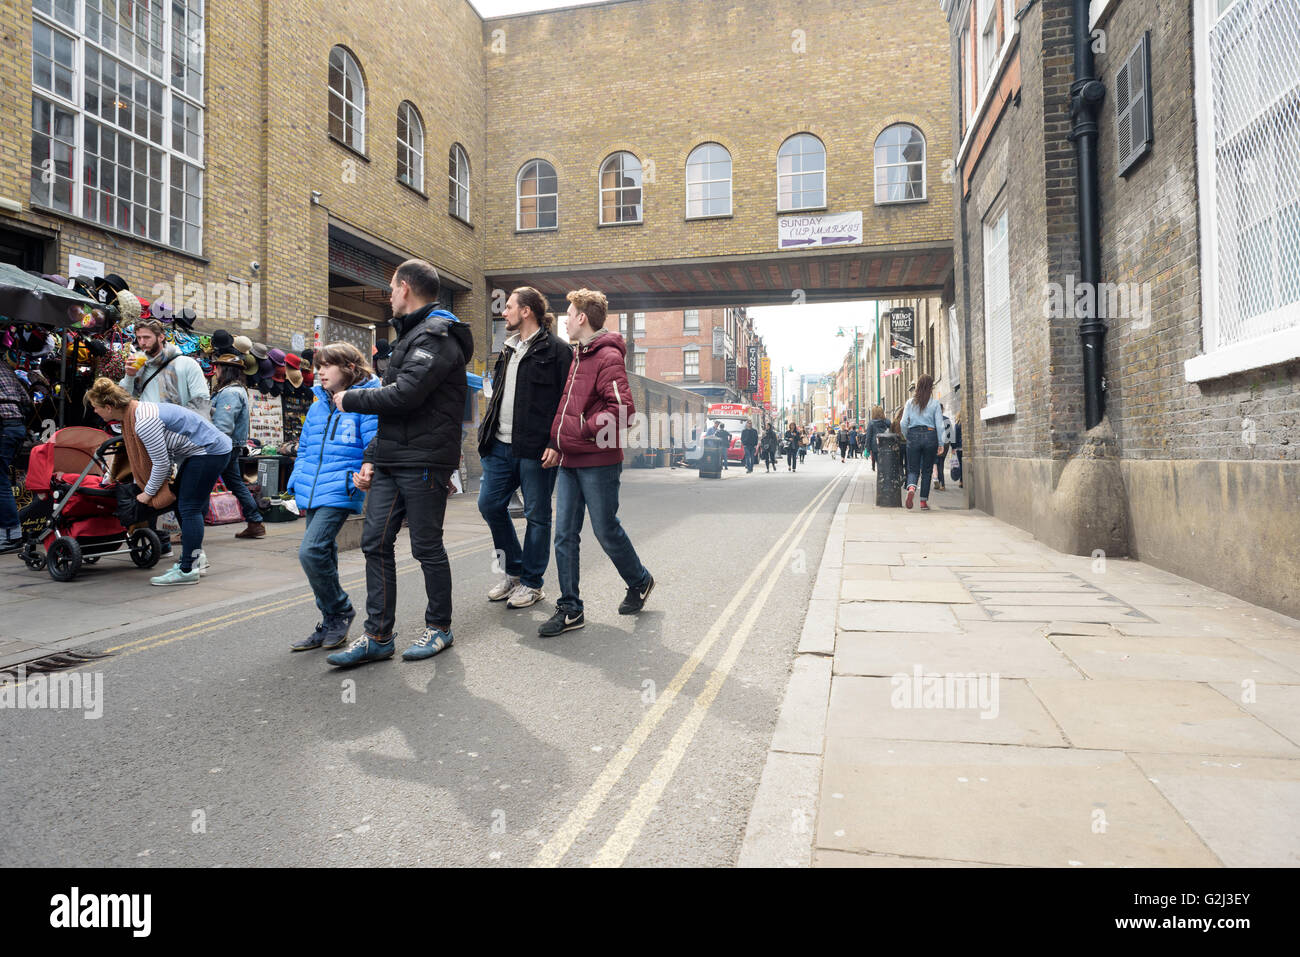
33	557
63	559
146	547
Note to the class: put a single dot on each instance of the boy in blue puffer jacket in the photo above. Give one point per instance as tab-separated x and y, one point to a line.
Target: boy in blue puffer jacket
330	449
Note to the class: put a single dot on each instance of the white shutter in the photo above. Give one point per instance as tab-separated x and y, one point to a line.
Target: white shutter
997	319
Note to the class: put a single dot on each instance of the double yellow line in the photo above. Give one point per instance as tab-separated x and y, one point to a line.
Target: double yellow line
616	849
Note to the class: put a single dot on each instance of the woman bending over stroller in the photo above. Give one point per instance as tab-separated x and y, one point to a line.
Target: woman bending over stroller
159	435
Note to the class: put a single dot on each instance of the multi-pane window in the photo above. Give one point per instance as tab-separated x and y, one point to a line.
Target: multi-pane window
988	27
1248	103
117	115
900	164
458	182
801	173
691	362
347	100
691	322
638	363
708	181
537	197
620	189
638	324
1000	399
410	146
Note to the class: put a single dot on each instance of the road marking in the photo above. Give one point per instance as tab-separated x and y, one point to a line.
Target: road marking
582	815
620	843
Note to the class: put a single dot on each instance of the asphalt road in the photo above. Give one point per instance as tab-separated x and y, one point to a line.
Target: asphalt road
637	740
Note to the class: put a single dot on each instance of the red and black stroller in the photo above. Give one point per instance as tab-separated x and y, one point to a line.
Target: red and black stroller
77	505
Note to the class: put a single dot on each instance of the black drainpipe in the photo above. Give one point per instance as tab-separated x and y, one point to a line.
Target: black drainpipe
1086	95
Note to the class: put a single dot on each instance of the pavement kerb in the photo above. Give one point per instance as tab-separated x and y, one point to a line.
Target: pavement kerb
782	821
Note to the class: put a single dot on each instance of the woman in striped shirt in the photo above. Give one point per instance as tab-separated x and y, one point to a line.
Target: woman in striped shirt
158	436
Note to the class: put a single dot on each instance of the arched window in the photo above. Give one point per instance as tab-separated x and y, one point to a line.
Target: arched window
410	146
458	182
347	100
900	164
537	195
620	189
801	173
708	181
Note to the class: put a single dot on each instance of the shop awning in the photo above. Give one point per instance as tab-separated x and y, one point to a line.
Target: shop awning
28	298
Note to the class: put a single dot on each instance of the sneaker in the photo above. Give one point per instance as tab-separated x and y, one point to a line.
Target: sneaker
504	588
428	644
174	576
336	629
925	506
911	490
202	564
365	649
523	596
312	641
636	596
561	622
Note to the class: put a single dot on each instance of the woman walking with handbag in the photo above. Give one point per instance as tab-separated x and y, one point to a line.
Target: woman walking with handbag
767	445
230	416
922	423
159	435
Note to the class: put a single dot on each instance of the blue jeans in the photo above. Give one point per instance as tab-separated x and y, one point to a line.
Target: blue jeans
922	447
234	480
12	433
193	486
502	474
593	490
750	458
319	556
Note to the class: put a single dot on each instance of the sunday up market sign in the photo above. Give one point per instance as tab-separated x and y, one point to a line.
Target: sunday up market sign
818	230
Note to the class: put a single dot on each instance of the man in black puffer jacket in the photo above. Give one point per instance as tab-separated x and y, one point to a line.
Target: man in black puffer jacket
408	464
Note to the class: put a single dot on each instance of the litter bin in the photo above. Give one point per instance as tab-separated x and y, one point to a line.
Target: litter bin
889	481
712	449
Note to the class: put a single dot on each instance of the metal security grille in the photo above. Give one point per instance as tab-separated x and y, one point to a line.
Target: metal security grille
1255	82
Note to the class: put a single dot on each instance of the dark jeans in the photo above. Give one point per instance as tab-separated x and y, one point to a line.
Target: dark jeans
319	556
938	461
769	458
844	450
791	458
593	490
420	497
234	480
922	446
12	433
751	456
502	474
193	487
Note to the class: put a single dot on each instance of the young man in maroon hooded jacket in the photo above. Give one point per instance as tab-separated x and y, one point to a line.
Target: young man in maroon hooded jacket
585	446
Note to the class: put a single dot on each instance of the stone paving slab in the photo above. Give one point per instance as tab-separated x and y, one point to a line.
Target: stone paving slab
1045	613
948	560
867	573
1012	656
915	573
1277	705
1164	716
847	859
999	804
1211	622
864	707
896	616
1180	659
1244	809
946	592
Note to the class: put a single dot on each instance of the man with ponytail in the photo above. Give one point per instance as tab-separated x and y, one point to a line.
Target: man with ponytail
528	381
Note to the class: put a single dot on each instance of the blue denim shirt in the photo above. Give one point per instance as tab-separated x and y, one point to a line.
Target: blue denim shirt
931	417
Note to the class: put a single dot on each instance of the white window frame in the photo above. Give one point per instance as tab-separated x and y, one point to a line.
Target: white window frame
351	71
705	181
181	202
789	176
519	196
686	369
1270	348
639	362
458	183
925	185
622	156
999	396
686	324
974	111
410	151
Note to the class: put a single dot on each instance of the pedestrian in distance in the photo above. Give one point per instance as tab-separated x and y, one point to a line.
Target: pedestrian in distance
768	444
749	442
158	436
331	450
791	439
15	406
230	415
408	464
842	439
587	435
875	427
529	378
945	443
922	423
803	447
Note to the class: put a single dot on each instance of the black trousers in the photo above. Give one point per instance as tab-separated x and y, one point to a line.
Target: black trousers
418	497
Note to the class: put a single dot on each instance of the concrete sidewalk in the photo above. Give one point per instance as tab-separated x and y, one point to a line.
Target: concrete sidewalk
1107	714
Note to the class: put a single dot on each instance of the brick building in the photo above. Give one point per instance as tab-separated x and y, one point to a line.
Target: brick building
1200	254
705	351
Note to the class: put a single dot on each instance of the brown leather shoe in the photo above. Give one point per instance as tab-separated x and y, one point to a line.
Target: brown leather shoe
254	530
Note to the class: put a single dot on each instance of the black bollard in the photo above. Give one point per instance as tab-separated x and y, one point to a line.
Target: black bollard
889	481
